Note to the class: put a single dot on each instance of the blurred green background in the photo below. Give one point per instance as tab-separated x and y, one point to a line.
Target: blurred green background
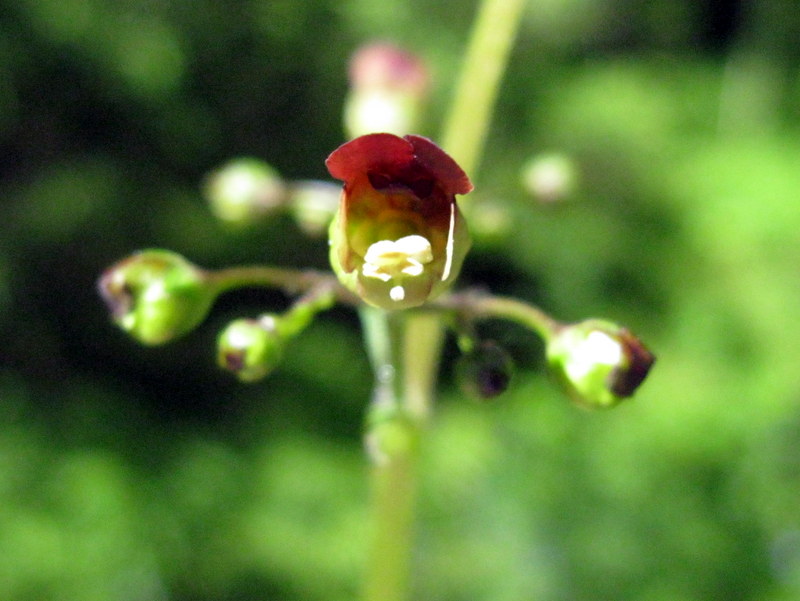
135	474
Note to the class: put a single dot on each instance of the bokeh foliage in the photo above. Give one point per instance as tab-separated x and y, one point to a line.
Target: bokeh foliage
132	474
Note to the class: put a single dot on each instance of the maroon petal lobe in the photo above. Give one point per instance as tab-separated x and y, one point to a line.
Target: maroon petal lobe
367	153
440	165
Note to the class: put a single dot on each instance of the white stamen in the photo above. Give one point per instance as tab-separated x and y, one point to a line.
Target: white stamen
373	271
414	267
387	259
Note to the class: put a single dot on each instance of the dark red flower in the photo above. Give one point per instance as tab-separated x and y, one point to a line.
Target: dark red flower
398	238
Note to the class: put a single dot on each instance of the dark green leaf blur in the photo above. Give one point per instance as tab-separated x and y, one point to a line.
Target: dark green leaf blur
147	474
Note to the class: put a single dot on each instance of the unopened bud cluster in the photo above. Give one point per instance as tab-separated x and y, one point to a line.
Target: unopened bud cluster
397	240
246	191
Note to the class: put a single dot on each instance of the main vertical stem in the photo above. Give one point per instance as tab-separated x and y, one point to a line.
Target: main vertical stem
470	114
393	497
405	377
405	347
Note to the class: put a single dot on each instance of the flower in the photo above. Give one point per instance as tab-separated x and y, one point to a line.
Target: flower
599	362
398	237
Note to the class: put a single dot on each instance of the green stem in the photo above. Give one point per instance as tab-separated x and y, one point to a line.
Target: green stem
393	432
394	494
485	306
424	336
406	360
406	347
302	312
291	281
469	116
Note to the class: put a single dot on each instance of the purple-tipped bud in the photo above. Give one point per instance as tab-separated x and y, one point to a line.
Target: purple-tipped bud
250	348
599	362
156	295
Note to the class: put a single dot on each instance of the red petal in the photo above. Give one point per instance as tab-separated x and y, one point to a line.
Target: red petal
441	165
393	155
366	153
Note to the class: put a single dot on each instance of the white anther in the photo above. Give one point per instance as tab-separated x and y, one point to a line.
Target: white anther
388	259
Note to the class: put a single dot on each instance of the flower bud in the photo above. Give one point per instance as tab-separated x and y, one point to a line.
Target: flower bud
485	371
244	190
156	295
387	90
599	362
250	348
398	237
490	220
550	178
313	205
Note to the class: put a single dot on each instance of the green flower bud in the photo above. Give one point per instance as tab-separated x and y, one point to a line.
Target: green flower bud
313	205
490	221
244	190
398	238
156	295
485	371
388	87
599	362
250	348
550	178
